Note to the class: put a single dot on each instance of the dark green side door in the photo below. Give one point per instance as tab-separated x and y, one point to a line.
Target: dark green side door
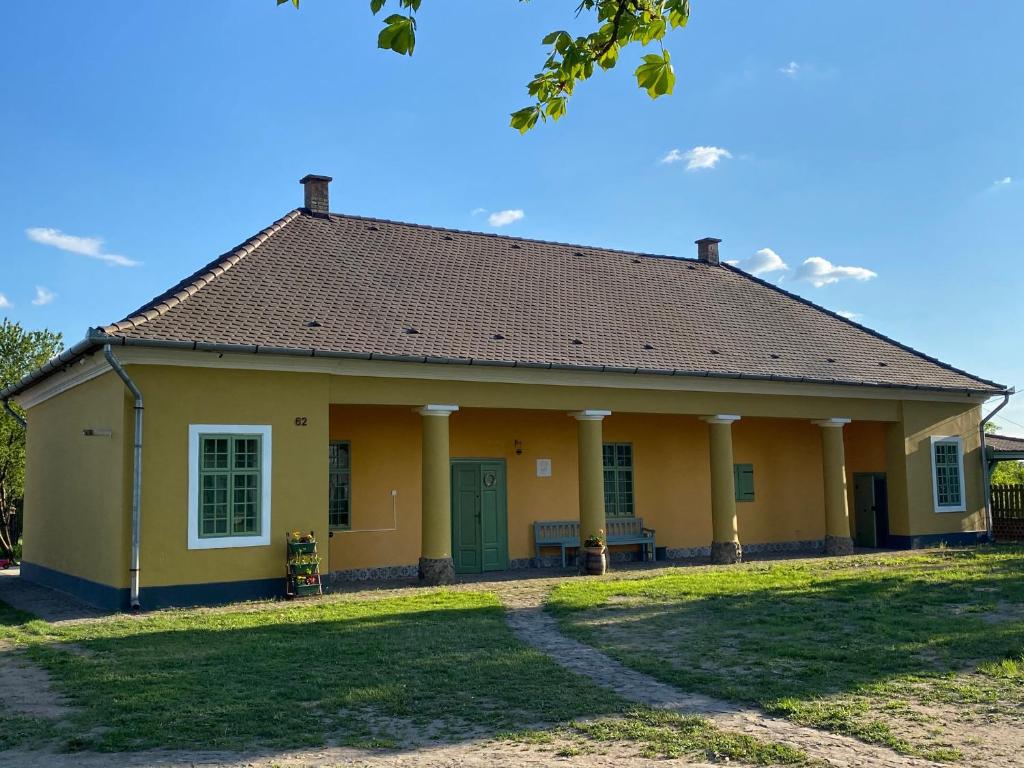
479	516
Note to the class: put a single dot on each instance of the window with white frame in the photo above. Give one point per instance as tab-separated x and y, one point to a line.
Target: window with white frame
948	474
229	485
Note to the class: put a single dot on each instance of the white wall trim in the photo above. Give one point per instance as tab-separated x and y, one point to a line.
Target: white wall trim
833	422
589	415
433	409
86	369
226	542
721	418
962	506
96	366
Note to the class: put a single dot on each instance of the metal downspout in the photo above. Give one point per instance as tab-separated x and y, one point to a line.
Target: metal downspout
137	472
14	414
986	474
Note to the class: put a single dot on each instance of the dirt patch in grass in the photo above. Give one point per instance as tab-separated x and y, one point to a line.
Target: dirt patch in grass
27	690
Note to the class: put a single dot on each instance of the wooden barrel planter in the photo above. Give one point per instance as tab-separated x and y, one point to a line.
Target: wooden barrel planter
594	561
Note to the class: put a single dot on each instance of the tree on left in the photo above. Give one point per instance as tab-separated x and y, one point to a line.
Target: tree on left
21	352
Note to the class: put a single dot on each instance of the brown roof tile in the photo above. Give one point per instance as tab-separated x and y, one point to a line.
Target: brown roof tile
392	289
1004	443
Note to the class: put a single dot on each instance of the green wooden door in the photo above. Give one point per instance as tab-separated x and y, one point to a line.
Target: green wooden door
479	516
864	510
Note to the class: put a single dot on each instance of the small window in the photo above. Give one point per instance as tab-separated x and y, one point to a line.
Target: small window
618	480
948	474
340	486
743	475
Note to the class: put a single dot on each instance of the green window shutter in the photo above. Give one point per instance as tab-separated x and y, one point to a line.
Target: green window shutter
618	479
744	479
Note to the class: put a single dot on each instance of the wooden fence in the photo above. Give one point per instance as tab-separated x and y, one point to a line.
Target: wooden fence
1008	512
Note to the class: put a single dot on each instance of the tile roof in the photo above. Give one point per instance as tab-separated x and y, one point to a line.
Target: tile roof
348	284
1005	443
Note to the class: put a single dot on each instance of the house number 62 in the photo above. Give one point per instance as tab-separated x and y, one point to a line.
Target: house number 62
301	421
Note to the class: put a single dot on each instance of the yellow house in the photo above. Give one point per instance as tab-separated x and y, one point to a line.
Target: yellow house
423	399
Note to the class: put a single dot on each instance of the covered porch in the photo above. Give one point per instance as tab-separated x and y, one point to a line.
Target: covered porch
440	488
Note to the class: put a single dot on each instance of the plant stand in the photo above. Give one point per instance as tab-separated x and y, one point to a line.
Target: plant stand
302	567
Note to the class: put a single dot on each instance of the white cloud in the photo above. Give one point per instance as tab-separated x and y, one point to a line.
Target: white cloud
83	246
477	211
790	70
698	157
762	262
1004	180
504	218
4	302
818	272
849	315
44	296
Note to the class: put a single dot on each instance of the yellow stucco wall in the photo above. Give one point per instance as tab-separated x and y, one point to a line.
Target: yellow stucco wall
78	489
385	445
76	509
788	497
177	397
920	422
864	444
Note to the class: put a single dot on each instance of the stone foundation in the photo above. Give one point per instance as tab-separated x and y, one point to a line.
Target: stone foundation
554	562
435	571
726	552
838	545
383	573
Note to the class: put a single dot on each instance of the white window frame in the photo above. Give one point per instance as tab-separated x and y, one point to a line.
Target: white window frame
226	542
958	441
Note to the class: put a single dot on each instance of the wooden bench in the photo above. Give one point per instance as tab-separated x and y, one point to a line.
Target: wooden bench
566	535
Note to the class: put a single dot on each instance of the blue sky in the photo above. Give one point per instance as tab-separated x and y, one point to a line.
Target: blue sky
885	141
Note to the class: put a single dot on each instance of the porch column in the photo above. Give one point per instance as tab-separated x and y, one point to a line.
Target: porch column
837	510
591	472
725	539
436	565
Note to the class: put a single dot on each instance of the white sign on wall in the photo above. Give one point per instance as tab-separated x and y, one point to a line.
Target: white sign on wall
543	467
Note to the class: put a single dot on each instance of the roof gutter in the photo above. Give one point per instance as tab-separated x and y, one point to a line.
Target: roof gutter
97	339
986	470
14	414
137	472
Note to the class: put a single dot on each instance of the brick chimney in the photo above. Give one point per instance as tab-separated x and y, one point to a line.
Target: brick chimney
317	197
707	250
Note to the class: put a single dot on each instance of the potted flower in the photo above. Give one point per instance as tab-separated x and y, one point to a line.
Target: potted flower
594	557
304	563
301	543
306	585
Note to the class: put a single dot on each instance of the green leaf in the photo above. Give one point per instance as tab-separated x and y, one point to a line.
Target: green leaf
525	118
656	75
398	35
555	108
376	5
654	31
293	2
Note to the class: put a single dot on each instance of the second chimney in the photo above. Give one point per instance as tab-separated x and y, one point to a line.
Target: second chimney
707	250
317	198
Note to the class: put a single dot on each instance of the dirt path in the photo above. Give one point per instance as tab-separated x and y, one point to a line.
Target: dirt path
48	604
534	626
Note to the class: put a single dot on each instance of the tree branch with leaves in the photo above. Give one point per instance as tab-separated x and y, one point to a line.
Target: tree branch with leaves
570	60
21	352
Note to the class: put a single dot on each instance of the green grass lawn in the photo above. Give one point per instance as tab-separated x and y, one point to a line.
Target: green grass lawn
364	672
378	673
908	651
